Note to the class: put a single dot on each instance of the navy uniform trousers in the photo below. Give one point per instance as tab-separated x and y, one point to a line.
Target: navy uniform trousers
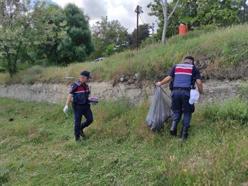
79	111
180	105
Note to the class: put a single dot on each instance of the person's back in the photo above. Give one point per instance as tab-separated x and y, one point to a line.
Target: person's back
183	77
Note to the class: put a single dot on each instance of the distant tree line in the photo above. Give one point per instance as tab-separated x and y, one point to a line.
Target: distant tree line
40	32
110	37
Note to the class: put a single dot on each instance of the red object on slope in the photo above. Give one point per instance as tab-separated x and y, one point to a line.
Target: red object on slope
183	29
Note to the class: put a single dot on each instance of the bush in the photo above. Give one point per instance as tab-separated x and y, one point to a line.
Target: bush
113	109
232	110
149	41
2	69
4	175
243	91
32	74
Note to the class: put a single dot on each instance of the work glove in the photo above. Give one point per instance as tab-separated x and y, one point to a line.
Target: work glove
158	84
65	110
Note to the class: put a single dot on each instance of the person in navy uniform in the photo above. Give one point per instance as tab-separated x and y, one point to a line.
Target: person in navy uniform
182	79
79	95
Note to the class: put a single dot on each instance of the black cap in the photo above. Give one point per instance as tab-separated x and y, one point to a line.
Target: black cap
86	74
189	59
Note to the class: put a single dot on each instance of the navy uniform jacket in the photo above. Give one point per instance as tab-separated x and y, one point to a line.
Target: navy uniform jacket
80	93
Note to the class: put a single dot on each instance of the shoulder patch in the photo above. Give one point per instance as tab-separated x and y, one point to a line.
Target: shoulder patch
73	87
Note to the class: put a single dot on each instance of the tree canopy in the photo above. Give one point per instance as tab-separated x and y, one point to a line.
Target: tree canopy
198	13
41	32
109	37
144	33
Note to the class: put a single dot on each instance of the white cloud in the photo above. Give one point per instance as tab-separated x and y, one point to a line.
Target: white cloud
122	10
94	8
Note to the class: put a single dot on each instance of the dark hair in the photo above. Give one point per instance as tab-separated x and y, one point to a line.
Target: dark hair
86	74
190	58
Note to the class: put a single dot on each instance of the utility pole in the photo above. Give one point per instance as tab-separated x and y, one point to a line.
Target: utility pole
138	11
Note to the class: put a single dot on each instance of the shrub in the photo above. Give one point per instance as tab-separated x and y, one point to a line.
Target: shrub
149	41
32	74
2	69
113	109
243	91
232	110
4	175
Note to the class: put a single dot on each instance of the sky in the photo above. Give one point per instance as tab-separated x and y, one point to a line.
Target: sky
121	10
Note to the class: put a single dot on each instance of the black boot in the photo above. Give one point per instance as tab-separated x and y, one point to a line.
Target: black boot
82	133
184	133
77	138
173	129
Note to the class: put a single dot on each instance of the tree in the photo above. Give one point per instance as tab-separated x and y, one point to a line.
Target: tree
24	30
41	32
77	43
162	9
220	12
13	26
243	11
60	36
197	13
144	32
167	17
108	37
49	28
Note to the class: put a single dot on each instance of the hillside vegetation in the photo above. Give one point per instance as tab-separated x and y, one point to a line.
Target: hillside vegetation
38	148
221	54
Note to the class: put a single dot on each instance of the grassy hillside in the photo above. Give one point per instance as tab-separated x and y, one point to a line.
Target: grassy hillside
224	50
37	147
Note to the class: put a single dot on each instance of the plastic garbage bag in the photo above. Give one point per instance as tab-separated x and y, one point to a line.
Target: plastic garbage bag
194	96
159	111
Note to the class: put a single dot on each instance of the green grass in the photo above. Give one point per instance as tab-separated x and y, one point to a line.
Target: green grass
38	148
225	47
230	112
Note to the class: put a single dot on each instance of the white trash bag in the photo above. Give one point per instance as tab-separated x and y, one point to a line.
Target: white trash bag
159	111
194	96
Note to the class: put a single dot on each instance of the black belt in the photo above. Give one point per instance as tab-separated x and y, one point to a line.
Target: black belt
181	88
